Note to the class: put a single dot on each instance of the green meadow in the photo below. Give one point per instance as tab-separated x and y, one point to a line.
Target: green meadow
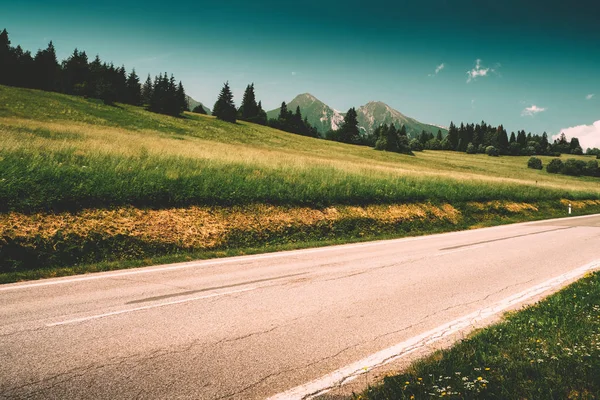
65	153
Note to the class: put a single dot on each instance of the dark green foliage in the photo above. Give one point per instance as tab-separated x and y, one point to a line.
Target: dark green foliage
591	168
433	144
293	122
554	166
348	132
199	109
534	163
77	76
492	151
250	110
452	137
415	145
167	97
391	139
224	108
573	167
471	149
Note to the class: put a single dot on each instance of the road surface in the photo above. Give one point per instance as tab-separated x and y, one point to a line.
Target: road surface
255	326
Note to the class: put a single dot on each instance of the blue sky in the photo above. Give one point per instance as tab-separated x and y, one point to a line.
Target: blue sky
539	60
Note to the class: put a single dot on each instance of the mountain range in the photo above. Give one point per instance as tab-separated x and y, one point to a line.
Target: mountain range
370	116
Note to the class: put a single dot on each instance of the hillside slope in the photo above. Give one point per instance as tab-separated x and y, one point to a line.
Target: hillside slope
64	152
82	182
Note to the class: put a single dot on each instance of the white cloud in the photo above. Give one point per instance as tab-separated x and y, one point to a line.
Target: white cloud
479	71
530	111
588	135
293	73
438	69
589	96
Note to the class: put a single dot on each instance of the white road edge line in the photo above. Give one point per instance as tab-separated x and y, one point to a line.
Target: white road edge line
352	371
250	258
91	317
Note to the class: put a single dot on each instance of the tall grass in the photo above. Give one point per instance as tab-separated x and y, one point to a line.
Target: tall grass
60	152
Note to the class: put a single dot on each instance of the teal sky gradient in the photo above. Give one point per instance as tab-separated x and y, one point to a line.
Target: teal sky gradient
543	53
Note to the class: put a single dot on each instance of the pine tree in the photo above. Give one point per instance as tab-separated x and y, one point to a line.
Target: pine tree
249	109
134	94
182	103
439	135
47	70
147	91
224	108
453	135
349	132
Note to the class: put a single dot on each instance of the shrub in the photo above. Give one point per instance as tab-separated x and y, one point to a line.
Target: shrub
492	151
481	149
577	150
416	145
471	149
534	163
433	144
597	156
555	166
591	168
514	149
199	109
573	167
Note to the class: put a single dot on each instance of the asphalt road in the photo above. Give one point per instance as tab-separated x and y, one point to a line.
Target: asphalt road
251	327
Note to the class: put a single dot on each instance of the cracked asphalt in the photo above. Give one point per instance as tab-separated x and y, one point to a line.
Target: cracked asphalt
251	327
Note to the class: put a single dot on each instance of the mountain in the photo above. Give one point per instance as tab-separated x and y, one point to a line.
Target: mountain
319	114
193	103
370	116
376	113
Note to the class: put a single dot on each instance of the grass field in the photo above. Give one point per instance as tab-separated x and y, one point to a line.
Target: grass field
68	165
548	351
66	153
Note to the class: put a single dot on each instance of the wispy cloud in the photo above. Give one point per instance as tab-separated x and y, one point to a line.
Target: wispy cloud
588	135
293	73
479	71
531	111
589	96
438	69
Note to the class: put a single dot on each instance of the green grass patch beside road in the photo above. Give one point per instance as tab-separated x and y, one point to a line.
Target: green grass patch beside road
548	351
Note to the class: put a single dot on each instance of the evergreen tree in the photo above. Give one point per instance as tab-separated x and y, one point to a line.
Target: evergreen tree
349	132
147	91
134	93
513	138
181	99
439	136
224	108
502	140
47	70
249	108
453	136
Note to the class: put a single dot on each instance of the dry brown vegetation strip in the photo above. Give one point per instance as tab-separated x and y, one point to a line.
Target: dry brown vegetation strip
207	227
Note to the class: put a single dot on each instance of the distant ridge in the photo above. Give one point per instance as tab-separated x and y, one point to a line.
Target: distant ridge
370	116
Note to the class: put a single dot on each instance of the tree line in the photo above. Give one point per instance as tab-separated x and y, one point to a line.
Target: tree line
76	75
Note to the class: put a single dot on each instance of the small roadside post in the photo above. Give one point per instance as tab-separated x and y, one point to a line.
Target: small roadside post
569	208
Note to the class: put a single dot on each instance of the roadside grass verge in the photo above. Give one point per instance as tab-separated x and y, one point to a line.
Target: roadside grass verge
548	351
43	245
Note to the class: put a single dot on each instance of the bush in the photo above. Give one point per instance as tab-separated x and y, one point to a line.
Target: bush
597	156
433	144
555	166
471	149
577	150
492	151
416	145
534	163
591	168
573	167
199	109
514	149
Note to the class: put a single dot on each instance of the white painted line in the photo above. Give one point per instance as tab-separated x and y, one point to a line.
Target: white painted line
350	372
91	317
250	258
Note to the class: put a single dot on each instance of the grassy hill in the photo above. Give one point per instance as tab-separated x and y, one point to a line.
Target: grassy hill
64	159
